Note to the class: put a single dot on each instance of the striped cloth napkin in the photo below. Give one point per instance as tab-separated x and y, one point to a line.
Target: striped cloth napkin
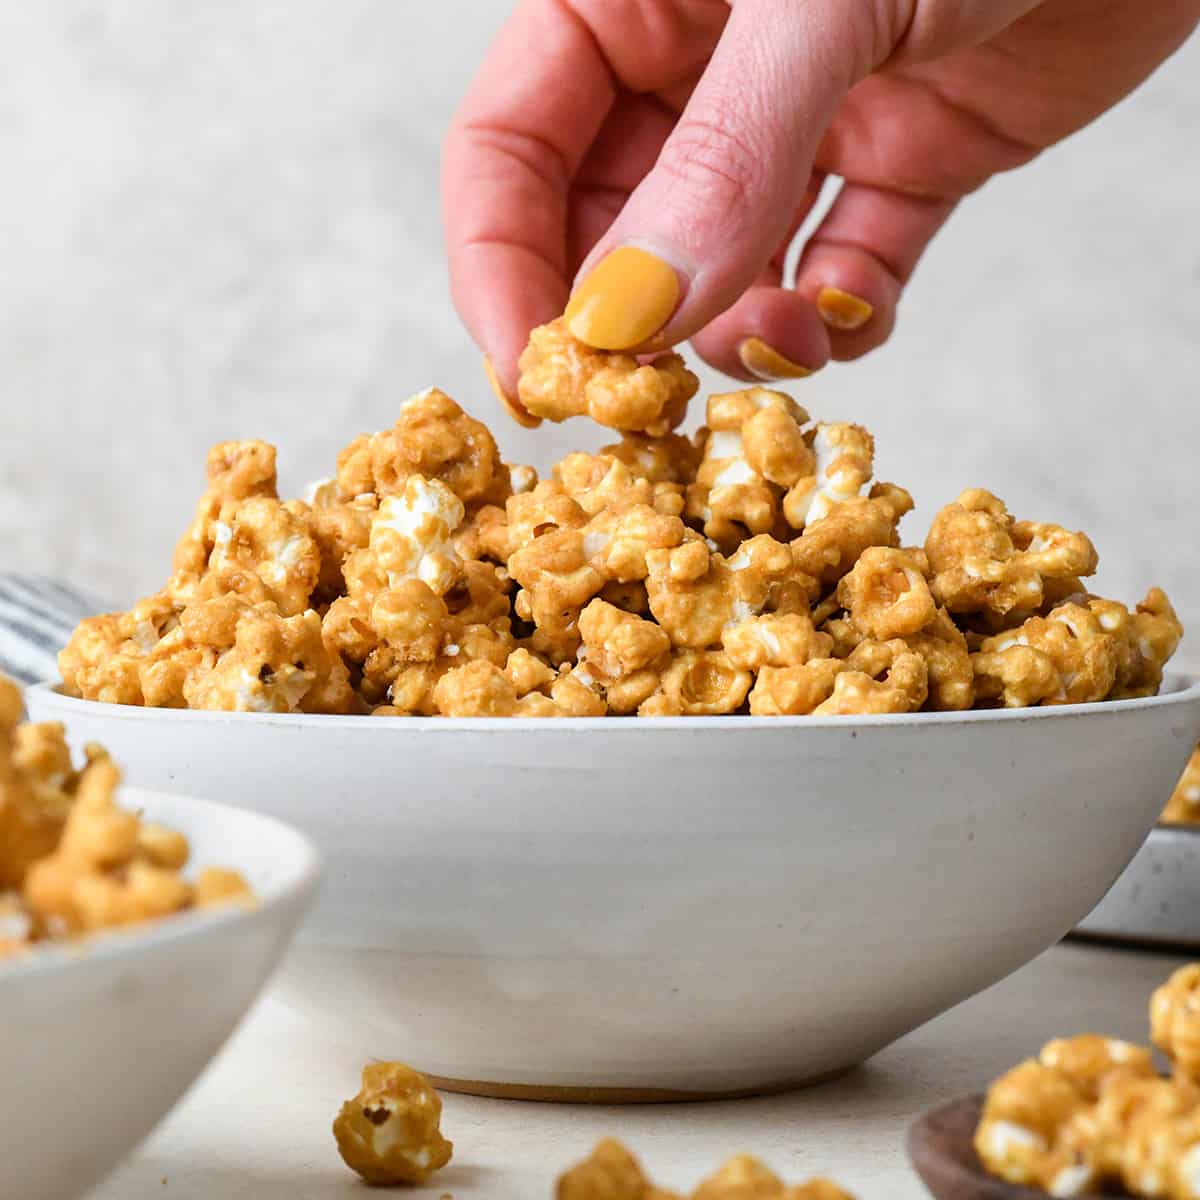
36	619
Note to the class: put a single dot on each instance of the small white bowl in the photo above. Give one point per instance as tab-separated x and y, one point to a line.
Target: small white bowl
632	909
99	1041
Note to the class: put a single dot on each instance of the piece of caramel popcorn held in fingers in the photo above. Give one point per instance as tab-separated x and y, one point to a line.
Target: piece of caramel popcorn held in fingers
560	377
389	1133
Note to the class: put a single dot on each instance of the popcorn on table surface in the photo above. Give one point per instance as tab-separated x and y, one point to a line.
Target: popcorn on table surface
389	1133
1091	1113
756	567
1184	806
72	861
612	1173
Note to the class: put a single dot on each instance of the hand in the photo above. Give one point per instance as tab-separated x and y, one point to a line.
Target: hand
664	153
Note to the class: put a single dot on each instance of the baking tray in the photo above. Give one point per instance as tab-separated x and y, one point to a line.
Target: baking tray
1156	902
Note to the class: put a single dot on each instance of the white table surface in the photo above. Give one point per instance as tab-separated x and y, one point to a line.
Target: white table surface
256	1126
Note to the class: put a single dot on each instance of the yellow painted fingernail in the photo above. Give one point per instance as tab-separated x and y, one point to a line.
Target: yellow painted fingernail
767	363
841	310
513	407
628	296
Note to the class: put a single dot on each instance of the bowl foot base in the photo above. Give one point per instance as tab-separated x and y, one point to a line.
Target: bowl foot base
551	1094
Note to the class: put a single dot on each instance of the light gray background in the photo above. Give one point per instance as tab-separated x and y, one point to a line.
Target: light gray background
221	220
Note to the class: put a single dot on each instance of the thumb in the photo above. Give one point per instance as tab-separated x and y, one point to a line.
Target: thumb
701	226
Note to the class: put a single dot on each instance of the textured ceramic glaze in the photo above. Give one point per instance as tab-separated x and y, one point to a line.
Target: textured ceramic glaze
696	905
1156	902
99	1043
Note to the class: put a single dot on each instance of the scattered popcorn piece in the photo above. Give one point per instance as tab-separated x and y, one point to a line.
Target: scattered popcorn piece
611	1172
561	378
389	1133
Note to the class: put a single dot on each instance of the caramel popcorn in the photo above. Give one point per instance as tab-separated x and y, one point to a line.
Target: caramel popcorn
1175	1020
753	568
878	677
1022	1118
612	1173
389	1133
984	561
1090	1114
886	593
72	861
1184	806
561	378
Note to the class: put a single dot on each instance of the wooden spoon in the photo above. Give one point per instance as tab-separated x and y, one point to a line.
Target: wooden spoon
941	1151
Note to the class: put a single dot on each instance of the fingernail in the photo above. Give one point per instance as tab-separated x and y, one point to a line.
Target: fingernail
841	310
627	296
513	407
767	363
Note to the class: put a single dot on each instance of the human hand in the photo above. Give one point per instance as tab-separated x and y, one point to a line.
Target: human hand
663	153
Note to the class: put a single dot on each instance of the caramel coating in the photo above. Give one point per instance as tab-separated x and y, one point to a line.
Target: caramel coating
1175	1021
983	560
878	677
1024	1113
754	448
390	1132
1090	1061
754	567
1066	658
886	593
1184	806
561	378
611	1172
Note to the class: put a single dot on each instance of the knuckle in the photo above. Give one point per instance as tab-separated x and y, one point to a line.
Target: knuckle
716	165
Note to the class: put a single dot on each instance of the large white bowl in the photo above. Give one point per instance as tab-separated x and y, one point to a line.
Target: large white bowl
610	909
97	1043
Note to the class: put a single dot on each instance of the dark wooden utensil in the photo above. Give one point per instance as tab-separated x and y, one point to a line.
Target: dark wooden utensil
941	1151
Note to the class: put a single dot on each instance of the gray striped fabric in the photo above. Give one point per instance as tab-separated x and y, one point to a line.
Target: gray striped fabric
36	618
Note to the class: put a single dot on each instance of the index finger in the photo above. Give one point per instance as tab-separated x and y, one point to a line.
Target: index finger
514	145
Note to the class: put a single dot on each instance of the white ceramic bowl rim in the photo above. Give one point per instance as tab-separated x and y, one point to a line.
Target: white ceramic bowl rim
1176	689
301	871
